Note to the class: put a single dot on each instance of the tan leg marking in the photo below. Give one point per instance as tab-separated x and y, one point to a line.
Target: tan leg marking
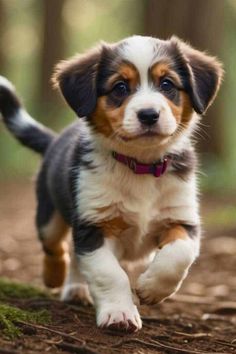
56	258
176	232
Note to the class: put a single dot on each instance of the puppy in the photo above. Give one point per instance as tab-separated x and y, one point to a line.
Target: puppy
123	177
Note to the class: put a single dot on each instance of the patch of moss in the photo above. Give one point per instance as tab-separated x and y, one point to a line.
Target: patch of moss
10	316
9	289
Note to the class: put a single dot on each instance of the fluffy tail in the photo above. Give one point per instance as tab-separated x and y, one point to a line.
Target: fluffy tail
29	132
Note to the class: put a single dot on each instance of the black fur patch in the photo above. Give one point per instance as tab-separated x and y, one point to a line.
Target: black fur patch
80	156
108	66
77	81
173	95
83	78
45	207
115	101
9	103
35	138
183	163
200	73
192	230
206	79
87	237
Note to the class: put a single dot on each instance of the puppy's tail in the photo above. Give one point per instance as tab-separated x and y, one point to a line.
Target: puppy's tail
29	132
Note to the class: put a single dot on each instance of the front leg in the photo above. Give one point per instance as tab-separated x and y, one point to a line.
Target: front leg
177	251
108	283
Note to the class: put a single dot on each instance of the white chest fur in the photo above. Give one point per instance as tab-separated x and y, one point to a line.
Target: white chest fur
111	190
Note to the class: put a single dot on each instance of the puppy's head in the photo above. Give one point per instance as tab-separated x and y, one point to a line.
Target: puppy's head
141	89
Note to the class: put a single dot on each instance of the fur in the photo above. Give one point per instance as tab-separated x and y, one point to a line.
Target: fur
117	216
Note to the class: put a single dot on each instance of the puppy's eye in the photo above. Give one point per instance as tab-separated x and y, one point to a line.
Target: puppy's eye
167	85
121	89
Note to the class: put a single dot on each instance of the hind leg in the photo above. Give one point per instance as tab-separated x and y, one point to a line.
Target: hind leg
56	251
58	270
52	231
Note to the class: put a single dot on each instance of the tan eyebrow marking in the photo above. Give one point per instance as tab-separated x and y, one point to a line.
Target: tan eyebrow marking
128	72
162	69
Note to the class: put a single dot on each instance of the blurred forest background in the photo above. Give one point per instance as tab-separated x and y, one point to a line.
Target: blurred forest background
34	35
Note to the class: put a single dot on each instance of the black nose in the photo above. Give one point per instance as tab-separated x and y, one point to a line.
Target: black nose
148	116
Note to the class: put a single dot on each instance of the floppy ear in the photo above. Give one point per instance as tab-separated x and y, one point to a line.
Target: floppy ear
204	75
76	79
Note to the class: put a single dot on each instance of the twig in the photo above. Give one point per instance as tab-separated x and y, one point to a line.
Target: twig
53	342
191	299
194	335
155	344
8	351
151	319
201	335
222	342
82	342
180	349
79	307
133	340
75	349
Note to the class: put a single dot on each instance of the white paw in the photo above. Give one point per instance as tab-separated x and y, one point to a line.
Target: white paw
151	291
119	318
77	292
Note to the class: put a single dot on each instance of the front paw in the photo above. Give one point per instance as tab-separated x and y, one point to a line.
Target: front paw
119	318
151	292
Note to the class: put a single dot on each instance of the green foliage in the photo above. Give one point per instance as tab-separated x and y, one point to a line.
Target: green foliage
218	176
15	160
221	217
9	289
10	316
103	19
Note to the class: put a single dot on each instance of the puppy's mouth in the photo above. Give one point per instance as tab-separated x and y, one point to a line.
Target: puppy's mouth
149	134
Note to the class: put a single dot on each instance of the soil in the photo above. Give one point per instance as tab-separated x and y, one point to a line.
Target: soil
201	318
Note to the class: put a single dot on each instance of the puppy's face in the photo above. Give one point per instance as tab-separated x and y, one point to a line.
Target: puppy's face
140	90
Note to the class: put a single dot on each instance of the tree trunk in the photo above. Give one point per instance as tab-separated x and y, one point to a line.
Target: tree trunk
52	52
200	23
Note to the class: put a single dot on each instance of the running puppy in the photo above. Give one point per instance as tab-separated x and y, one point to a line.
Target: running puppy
123	176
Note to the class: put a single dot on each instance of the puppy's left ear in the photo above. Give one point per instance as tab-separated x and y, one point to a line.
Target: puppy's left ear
205	75
76	79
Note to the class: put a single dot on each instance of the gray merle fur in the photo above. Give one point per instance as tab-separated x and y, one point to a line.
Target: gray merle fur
36	137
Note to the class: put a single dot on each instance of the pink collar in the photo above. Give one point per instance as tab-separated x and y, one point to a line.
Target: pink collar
156	169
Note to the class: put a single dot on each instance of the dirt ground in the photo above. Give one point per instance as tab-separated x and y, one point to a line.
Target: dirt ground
201	318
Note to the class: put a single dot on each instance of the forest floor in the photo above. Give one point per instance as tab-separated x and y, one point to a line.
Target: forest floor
201	318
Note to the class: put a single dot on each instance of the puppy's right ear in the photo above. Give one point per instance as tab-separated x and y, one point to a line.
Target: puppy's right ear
76	79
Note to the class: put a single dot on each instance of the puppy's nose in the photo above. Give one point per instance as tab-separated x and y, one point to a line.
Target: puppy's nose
148	116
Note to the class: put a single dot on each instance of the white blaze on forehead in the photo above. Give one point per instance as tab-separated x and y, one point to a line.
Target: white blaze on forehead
141	52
